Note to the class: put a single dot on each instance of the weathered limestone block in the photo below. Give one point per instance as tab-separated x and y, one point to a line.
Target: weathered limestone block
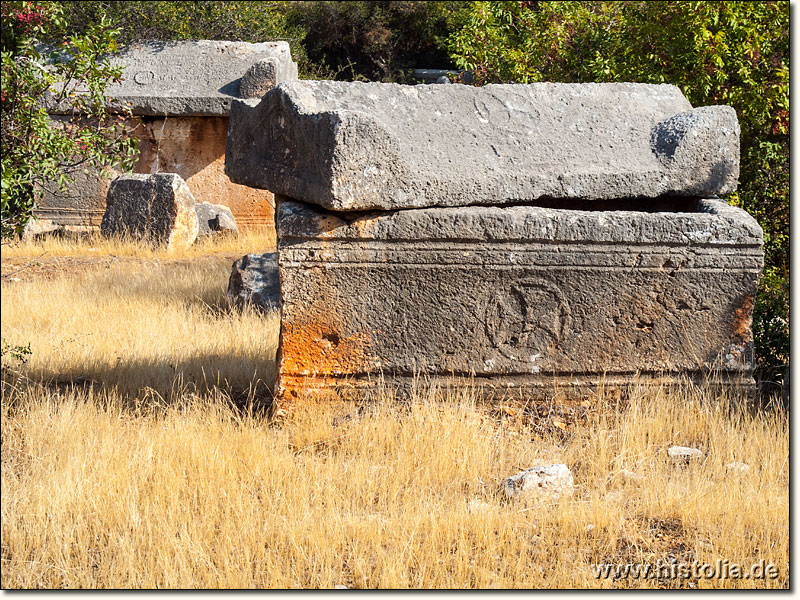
360	146
213	219
517	298
254	280
265	74
158	208
191	78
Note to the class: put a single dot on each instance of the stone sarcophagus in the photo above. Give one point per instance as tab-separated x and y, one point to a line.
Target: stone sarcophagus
577	241
180	94
516	298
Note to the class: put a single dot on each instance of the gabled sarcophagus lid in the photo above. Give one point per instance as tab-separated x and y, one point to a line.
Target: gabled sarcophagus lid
360	146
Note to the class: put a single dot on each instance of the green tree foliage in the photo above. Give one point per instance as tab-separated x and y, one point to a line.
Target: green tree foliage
233	20
330	40
734	53
377	41
37	151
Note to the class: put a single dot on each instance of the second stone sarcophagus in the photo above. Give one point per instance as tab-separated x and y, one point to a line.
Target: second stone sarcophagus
180	94
563	264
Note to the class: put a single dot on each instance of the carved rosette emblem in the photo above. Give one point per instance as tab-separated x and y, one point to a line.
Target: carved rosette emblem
527	318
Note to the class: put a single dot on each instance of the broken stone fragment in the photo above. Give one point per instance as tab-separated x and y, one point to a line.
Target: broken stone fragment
357	146
254	281
684	454
548	480
37	229
265	74
158	208
214	218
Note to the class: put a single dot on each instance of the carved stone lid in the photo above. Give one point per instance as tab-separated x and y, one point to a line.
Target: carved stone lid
362	146
196	78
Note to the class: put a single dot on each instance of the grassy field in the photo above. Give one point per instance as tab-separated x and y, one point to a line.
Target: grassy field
135	454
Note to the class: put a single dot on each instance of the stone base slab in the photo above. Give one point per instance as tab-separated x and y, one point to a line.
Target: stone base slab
507	388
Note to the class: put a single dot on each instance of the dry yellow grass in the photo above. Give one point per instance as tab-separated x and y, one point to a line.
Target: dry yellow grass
252	239
141	325
151	477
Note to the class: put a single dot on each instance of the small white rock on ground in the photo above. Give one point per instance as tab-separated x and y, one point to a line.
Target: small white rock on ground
624	476
551	480
478	506
738	467
684	453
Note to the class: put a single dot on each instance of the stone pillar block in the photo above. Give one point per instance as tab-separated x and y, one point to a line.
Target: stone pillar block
158	208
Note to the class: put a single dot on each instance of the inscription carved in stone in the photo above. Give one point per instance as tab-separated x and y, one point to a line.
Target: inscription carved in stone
513	113
144	77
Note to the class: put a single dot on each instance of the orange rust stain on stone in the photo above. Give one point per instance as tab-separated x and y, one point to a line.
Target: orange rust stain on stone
364	226
192	147
743	320
293	389
314	358
327	226
316	348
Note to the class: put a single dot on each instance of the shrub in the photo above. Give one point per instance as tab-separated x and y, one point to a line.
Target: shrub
38	151
377	41
330	40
